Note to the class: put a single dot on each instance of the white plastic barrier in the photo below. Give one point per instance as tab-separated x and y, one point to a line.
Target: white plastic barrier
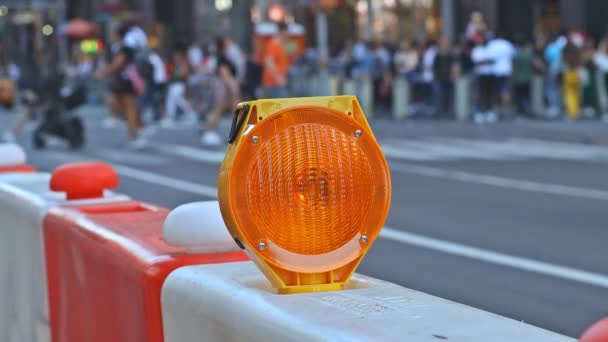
234	302
25	199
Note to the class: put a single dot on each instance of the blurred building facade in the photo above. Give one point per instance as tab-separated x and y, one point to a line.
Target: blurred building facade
186	21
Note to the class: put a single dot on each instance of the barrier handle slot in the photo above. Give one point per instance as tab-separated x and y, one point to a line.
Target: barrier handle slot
240	114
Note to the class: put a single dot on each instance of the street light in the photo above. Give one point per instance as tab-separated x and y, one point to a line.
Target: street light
47	30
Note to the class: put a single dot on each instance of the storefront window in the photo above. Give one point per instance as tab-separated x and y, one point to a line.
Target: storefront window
393	20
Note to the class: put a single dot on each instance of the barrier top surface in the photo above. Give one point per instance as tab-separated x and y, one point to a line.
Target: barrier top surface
244	307
27	194
106	265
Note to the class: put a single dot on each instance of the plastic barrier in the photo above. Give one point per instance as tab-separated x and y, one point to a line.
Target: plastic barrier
235	302
24	200
107	263
22	206
597	332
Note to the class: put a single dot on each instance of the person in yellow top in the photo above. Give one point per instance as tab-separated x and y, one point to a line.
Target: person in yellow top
571	80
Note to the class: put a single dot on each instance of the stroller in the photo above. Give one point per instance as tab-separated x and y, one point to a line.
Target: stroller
56	102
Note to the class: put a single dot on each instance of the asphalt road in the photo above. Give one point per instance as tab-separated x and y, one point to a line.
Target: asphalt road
510	218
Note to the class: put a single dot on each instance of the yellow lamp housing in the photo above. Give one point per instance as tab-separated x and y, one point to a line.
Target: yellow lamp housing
304	189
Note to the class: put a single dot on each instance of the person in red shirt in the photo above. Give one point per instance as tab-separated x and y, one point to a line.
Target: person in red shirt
276	64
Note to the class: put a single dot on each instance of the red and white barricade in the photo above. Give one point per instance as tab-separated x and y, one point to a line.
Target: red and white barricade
80	263
107	262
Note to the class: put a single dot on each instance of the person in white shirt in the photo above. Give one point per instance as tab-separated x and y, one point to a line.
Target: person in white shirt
484	71
501	51
136	38
406	59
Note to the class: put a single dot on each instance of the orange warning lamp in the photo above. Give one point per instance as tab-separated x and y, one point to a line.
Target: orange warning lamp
304	189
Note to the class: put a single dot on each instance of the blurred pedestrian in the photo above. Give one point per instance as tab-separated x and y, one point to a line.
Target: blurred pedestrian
276	64
523	71
407	60
252	79
444	68
590	100
553	59
476	28
124	87
501	52
27	83
571	80
484	72
180	71
157	83
227	95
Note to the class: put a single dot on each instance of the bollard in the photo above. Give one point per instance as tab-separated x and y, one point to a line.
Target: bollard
401	98
462	98
334	85
602	97
537	96
348	87
366	96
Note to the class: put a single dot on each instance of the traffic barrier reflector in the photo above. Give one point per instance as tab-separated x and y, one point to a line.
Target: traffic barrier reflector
183	228
12	159
84	180
107	263
598	332
305	189
235	302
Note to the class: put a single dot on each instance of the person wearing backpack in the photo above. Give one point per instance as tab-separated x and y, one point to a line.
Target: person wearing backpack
125	86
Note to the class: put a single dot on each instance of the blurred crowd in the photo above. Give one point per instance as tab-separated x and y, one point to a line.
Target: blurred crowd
196	84
500	69
193	84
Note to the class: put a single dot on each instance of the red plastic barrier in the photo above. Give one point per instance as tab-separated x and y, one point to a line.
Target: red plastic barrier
18	168
106	265
597	332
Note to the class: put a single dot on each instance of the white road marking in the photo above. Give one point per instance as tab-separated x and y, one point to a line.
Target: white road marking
501	182
496	258
447	148
170	182
132	157
196	154
484	255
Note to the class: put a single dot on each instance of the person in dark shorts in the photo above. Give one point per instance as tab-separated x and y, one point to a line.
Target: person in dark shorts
123	98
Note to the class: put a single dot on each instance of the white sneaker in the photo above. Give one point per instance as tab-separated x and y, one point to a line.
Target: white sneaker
8	137
189	119
137	144
148	130
491	117
110	122
167	123
478	118
211	138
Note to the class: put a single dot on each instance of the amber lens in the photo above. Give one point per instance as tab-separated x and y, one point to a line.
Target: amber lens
311	181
